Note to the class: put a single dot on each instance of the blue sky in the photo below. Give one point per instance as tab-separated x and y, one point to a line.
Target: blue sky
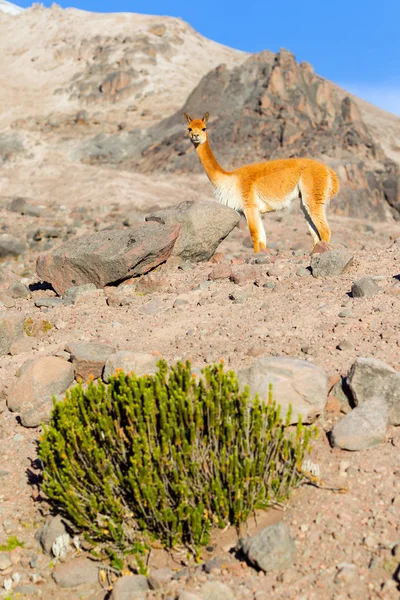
355	43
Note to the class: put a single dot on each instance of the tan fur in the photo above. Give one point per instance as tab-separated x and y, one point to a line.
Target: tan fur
268	186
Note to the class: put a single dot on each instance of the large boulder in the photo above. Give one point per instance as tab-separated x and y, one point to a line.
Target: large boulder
38	380
369	378
362	428
203	227
296	382
107	256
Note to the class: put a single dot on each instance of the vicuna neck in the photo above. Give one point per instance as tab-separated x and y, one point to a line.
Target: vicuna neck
210	163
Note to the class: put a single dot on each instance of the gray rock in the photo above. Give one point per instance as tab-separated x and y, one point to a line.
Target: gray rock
26	590
364	287
296	382
129	587
153	307
18	290
38	380
347	573
303	272
49	532
21	206
10	245
89	358
11	329
159	578
5	561
78	571
79	291
216	590
272	549
35	416
363	428
107	256
46	233
331	263
369	378
138	362
50	302
203	227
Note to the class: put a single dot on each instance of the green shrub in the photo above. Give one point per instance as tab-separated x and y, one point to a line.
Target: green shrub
167	457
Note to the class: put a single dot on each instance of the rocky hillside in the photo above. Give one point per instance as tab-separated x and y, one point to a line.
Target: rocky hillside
270	107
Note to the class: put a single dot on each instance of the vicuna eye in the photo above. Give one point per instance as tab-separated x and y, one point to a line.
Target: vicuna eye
203	129
189	129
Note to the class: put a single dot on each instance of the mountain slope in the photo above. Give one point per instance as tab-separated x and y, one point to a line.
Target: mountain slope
269	107
9	8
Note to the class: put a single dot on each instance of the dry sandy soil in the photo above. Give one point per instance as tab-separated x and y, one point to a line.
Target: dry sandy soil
296	315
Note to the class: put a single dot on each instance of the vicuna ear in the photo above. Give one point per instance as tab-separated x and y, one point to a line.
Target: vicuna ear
205	118
188	119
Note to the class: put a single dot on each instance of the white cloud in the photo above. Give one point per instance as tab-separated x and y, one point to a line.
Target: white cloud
383	95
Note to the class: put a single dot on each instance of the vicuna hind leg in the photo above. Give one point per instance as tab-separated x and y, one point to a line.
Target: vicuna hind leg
256	228
314	194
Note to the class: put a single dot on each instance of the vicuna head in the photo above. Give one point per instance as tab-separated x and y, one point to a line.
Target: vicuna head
197	129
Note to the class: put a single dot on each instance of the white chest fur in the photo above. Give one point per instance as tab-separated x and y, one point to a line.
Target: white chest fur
226	192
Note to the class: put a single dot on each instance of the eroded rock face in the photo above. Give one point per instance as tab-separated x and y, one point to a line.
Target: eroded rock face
107	256
271	107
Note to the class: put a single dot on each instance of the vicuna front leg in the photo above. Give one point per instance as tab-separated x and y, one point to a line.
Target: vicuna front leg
256	228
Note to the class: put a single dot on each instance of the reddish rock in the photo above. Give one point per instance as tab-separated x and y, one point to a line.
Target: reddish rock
244	274
77	571
107	256
89	358
220	271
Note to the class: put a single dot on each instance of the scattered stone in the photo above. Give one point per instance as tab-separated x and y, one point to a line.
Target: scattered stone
244	274
153	307
5	561
347	573
21	206
182	300
49	532
7	301
203	226
107	256
303	272
273	549
18	290
216	590
139	363
364	287
363	428
46	233
77	571
294	381
270	285
89	358
344	345
26	590
159	578
129	587
50	302
38	380
347	312
331	263
79	292
10	246
370	378
220	271
11	329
